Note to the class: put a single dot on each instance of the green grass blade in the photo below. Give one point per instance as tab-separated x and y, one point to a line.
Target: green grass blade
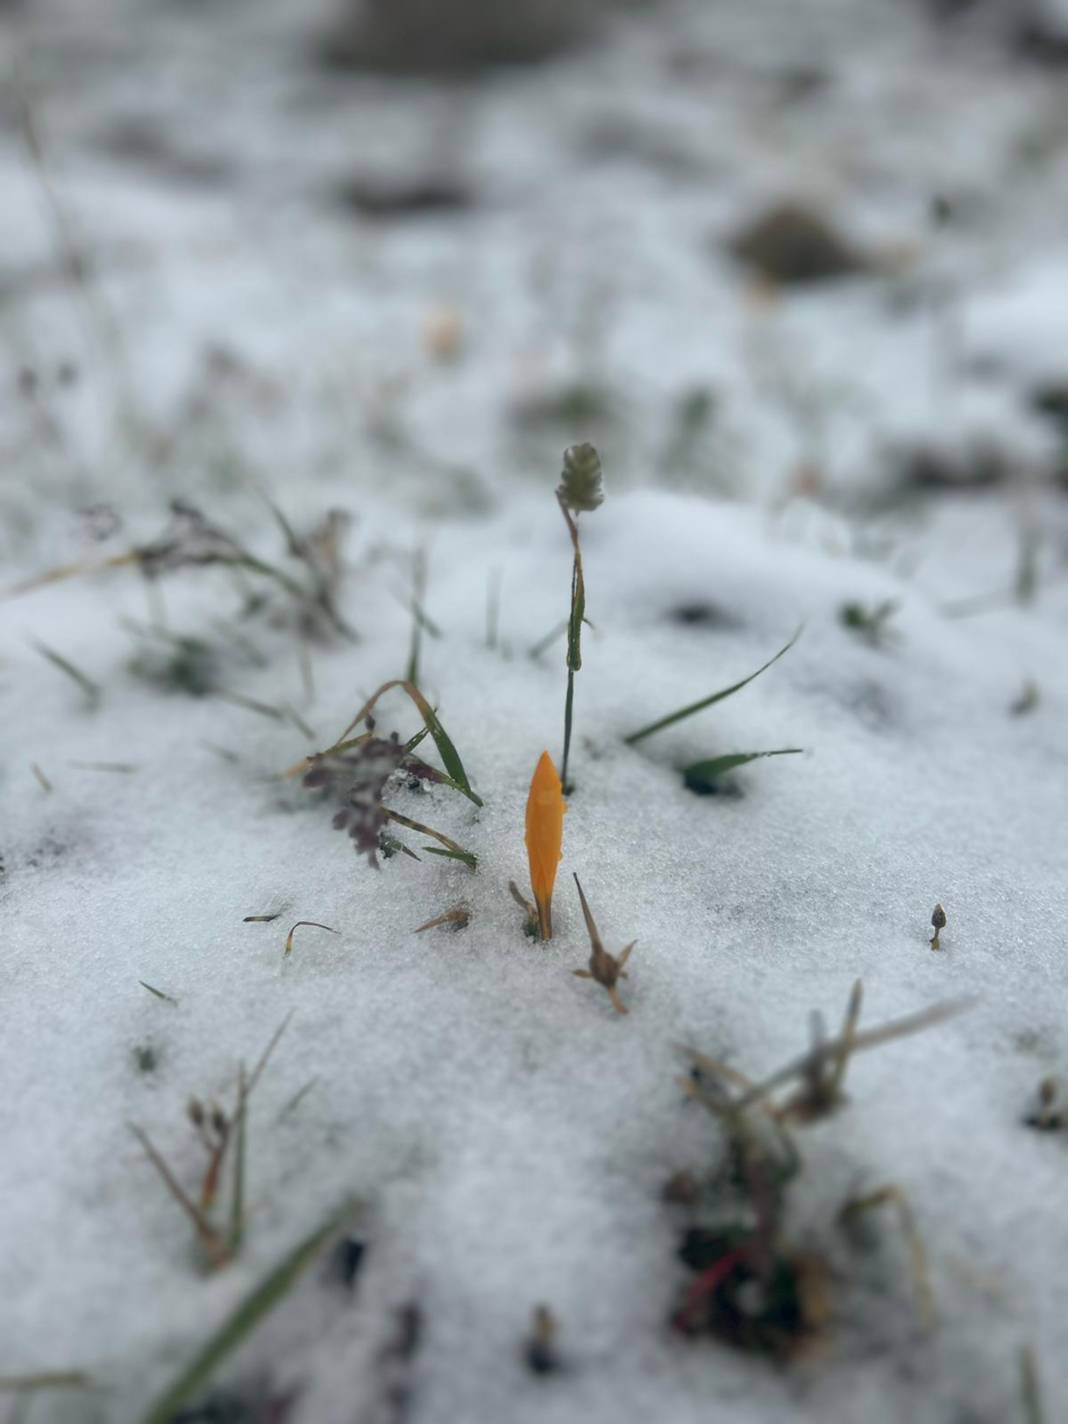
693	707
464	855
701	775
167	998
448	753
93	691
256	1305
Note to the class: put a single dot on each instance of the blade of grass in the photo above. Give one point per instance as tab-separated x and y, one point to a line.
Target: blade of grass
254	1308
237	699
536	649
700	775
456	852
493	607
237	1200
265	1056
42	780
158	993
1030	1390
298	721
206	1233
92	690
126	768
68	571
419	618
45	1379
297	1098
693	707
468	859
314	924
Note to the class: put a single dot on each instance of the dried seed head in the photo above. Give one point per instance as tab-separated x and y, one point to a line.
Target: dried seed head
1050	1113
580	481
938	923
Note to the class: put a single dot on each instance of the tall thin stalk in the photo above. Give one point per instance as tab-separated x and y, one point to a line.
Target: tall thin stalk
579	491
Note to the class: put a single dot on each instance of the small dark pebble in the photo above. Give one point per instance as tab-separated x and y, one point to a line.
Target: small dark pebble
793	244
539	1351
382	198
347	1260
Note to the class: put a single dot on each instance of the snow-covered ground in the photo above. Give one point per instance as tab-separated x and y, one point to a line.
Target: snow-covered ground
236	332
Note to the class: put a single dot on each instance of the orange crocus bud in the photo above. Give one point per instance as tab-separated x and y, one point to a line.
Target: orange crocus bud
545	837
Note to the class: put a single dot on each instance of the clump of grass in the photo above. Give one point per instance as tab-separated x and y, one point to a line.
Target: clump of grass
821	1070
190	540
574	403
870	621
219	1242
752	1287
357	770
457	777
693	415
670	718
605	969
259	1302
175	662
579	492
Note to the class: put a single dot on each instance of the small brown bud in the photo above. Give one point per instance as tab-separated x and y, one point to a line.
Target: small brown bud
938	923
540	1347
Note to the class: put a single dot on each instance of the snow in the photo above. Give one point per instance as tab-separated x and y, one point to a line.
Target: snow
511	1134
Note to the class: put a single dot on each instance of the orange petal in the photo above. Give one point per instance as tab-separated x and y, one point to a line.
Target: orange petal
545	837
